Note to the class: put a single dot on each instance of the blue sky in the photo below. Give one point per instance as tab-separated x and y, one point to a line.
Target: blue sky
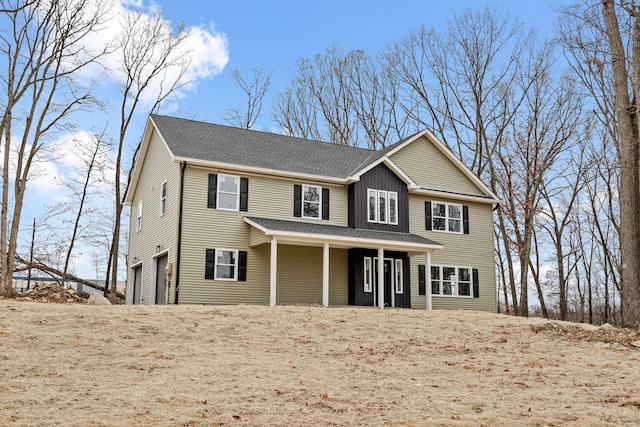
278	33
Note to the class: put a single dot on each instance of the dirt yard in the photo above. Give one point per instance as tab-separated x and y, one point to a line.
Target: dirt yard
74	364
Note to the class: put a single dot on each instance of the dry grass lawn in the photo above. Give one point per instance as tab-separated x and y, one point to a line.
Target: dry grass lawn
74	364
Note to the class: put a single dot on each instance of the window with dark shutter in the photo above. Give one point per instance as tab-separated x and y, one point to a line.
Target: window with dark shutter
213	186
242	266
465	219
427	215
476	285
244	194
210	264
297	200
325	203
421	280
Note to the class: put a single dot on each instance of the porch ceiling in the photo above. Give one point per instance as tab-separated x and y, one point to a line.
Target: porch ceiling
311	234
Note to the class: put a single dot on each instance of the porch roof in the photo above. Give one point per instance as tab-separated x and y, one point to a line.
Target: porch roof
316	234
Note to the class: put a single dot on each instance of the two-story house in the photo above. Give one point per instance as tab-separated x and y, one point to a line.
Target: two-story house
221	215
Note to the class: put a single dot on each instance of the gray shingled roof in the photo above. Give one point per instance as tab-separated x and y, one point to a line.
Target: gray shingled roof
205	141
336	230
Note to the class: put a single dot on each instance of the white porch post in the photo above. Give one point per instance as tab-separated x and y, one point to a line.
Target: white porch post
273	273
427	280
325	275
381	277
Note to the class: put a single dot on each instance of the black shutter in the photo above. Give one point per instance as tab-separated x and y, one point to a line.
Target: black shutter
297	200
210	264
476	286
244	194
213	186
465	219
325	203
421	280
242	266
427	215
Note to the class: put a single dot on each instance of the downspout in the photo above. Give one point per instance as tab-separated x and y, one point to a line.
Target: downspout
184	166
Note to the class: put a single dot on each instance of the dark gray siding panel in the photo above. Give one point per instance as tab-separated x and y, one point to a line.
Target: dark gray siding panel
379	178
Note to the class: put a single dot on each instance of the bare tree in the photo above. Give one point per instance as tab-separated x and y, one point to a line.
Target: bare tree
149	51
93	162
42	51
254	90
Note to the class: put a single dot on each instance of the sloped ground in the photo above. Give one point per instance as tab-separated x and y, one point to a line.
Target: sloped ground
73	364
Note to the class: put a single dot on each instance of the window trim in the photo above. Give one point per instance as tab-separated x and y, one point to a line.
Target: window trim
399	279
457	281
220	191
163	199
388	195
139	217
446	217
235	265
368	276
303	201
395	199
375	210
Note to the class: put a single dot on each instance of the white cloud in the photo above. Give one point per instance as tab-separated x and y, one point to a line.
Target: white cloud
204	48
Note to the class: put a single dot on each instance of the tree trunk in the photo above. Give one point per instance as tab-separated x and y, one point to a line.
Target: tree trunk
629	195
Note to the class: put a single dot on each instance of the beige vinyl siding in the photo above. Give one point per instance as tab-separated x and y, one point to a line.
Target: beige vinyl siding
429	168
156	230
300	275
474	250
206	228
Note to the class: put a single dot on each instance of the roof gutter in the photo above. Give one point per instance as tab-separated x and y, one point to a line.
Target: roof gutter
179	252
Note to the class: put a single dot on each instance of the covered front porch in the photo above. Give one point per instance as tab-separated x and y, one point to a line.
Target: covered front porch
377	245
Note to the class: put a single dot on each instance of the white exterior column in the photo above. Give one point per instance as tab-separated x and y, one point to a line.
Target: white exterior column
427	280
325	275
273	272
381	277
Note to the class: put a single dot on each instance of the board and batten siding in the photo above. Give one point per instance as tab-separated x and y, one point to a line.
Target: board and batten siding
475	250
206	228
156	230
429	168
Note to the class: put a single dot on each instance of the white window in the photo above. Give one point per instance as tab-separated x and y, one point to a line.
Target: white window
446	217
382	206
226	265
368	274
163	198
371	205
228	192
311	201
139	217
399	283
393	208
451	281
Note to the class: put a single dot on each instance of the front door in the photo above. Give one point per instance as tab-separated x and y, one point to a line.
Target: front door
161	279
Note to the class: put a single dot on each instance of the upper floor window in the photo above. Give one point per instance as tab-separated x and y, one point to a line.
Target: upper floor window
228	192
450	217
310	201
382	206
139	217
163	198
